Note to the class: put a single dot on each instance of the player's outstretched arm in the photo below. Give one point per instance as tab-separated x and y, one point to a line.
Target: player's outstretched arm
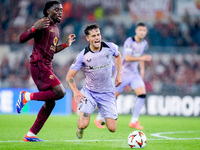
29	34
141	58
118	64
78	96
70	40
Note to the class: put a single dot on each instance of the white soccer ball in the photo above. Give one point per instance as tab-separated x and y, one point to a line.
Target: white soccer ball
137	139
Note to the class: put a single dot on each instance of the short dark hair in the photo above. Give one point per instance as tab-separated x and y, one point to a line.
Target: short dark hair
48	5
141	24
90	27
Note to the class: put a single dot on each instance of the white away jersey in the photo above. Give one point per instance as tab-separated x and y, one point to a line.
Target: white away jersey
133	48
97	67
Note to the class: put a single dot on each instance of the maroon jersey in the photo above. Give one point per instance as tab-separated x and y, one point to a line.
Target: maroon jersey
45	42
44	46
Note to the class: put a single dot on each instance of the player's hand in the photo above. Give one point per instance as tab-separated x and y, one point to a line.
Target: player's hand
79	97
42	23
70	40
118	80
146	58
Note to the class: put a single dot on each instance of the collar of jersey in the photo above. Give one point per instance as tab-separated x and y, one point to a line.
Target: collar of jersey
96	51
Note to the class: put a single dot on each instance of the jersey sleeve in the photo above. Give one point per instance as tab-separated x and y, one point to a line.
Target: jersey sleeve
127	47
146	46
27	35
78	62
114	48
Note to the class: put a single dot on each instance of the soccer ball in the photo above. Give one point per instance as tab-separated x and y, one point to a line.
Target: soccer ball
137	139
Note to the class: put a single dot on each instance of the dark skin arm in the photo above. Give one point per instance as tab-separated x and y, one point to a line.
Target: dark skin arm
70	40
41	24
38	25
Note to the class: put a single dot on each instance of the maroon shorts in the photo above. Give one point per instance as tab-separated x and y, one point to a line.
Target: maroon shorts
43	76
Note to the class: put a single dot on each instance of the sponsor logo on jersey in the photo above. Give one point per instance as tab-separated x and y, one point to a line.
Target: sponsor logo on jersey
98	67
88	60
53	48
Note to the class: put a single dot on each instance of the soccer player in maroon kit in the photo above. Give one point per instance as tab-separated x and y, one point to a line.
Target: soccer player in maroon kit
46	35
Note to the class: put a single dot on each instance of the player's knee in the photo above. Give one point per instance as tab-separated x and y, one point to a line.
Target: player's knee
60	91
112	129
111	125
61	94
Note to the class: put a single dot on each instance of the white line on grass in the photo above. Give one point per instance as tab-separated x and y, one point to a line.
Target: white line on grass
114	140
159	135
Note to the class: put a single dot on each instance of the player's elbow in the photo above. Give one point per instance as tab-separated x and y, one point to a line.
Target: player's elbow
21	39
126	59
67	77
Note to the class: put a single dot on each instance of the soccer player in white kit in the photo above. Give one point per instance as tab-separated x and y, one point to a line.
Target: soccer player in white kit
96	62
133	56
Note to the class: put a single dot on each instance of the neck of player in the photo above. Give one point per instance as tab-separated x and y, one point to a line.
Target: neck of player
137	39
95	49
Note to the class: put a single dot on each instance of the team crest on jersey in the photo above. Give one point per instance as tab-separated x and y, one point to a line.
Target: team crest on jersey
74	61
128	46
55	41
51	77
51	30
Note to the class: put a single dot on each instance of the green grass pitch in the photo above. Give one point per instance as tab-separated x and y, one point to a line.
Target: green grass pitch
163	133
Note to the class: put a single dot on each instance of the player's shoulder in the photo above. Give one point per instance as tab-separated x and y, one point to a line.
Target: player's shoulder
130	40
80	54
109	45
145	42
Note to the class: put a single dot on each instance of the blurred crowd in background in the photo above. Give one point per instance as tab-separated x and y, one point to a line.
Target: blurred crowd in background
19	15
117	23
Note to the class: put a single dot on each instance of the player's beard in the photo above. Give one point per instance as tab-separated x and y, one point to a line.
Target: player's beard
58	20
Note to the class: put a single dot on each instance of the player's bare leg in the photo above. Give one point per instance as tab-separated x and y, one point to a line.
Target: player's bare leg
111	124
82	123
59	90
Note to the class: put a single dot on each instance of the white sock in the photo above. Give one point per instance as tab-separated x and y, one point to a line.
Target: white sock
28	96
133	120
30	133
99	117
137	108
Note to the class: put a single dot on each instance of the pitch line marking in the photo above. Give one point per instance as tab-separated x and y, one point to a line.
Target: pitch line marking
159	135
114	140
